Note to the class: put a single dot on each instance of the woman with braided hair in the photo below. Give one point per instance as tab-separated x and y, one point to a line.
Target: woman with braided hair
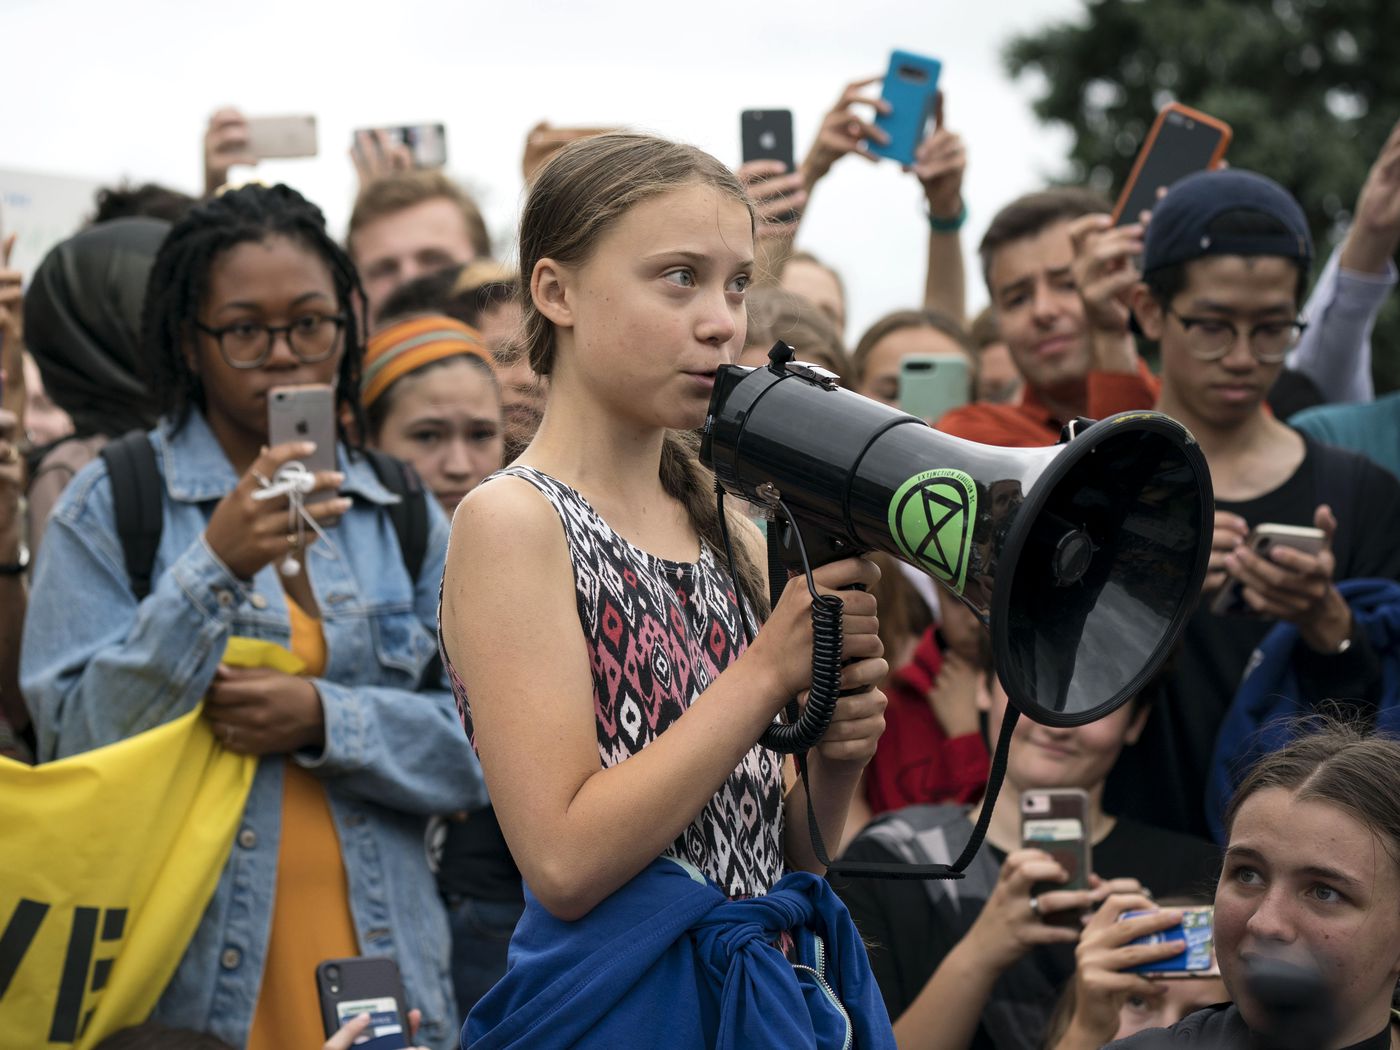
248	293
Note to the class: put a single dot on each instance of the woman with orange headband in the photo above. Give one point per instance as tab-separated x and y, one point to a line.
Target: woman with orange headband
430	398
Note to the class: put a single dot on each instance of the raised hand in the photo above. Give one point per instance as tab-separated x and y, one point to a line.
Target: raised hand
226	143
939	164
844	130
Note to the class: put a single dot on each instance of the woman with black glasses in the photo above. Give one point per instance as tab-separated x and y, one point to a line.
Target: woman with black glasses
247	294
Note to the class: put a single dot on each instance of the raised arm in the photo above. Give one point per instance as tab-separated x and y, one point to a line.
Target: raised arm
939	165
1335	350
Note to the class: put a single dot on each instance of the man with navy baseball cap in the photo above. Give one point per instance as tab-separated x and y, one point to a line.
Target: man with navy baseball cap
1225	264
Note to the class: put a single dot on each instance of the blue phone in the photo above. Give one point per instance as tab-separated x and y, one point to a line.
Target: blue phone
911	89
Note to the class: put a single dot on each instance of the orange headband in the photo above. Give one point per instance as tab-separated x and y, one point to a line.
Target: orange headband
407	346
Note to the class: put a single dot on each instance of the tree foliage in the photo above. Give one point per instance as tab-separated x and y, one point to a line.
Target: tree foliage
1310	87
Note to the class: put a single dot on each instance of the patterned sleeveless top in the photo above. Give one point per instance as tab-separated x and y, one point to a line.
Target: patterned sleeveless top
658	633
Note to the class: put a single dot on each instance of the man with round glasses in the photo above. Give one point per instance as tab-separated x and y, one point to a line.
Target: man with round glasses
1225	264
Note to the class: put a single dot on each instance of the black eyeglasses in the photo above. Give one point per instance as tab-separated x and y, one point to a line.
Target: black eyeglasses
245	344
1211	338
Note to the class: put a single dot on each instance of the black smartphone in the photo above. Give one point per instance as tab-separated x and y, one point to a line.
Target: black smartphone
1056	820
364	985
766	134
1181	142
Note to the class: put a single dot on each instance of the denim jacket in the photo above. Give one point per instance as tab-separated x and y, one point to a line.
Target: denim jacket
99	667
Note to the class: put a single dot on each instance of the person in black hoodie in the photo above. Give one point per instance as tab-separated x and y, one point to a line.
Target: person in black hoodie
82	324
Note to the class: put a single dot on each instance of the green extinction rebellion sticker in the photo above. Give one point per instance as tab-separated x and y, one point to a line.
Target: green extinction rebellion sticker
931	517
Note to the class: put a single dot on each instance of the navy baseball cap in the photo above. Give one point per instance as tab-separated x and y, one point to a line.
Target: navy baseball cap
1181	227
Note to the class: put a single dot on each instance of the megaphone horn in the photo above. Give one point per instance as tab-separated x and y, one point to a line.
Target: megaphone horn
1085	559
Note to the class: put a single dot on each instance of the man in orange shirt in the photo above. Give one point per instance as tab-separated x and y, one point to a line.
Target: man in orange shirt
1059	278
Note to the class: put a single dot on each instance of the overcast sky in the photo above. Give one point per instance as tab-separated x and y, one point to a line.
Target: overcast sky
106	90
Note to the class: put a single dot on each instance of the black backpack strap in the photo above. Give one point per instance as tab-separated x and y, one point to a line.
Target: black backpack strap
136	504
410	514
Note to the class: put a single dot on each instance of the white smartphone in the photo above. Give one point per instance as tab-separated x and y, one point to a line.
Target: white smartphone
276	137
1229	601
305	413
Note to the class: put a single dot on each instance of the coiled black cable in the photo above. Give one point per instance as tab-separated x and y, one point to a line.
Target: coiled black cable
828	643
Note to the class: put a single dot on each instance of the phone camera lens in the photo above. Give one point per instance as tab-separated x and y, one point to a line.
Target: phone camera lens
1264	545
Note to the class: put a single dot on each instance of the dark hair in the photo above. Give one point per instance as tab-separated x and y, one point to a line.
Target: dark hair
180	279
395	193
1343	764
1029	215
148	201
428	294
897	322
153	1036
581	193
1166	282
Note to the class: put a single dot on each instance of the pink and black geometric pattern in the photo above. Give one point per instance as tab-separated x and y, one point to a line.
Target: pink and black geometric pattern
658	633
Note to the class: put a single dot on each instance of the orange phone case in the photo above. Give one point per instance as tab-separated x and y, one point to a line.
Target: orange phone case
1226	134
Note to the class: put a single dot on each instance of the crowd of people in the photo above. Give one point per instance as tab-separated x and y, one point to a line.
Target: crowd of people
533	660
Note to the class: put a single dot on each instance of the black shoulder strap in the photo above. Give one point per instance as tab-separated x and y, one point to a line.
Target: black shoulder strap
410	514
136	504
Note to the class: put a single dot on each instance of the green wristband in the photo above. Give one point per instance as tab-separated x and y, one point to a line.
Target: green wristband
952	225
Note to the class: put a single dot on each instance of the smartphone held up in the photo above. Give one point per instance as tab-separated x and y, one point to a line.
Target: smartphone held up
1056	821
766	134
305	413
1181	142
911	89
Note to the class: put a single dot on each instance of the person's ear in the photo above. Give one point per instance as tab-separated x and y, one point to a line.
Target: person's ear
550	290
189	351
1137	723
1148	312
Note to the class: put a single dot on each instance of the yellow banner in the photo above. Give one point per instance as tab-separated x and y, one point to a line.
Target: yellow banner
107	862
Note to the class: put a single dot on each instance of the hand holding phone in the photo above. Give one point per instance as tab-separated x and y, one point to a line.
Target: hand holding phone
377	152
1110	947
1230	600
911	91
349	988
1181	142
1056	821
1192	938
305	413
247	534
768	171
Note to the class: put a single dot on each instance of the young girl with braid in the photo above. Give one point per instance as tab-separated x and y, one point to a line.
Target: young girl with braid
606	683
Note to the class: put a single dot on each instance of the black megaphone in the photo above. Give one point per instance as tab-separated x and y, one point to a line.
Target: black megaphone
1084	559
